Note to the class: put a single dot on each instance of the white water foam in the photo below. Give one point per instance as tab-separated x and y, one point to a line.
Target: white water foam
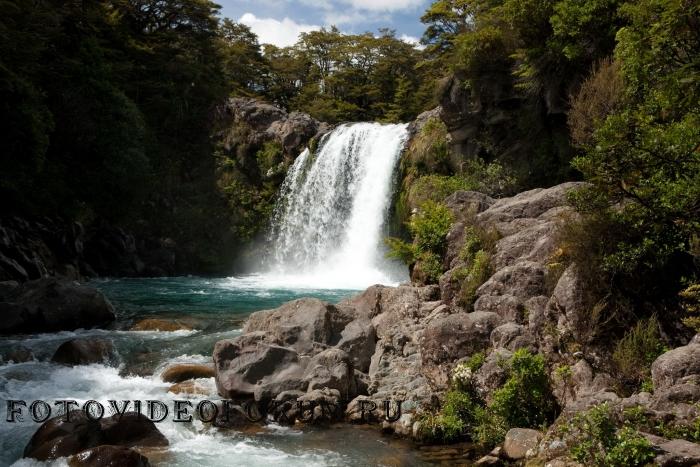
328	225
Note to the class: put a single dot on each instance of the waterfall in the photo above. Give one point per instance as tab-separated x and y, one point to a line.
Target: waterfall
328	225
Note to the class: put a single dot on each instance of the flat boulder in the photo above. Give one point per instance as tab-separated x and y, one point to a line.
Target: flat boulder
85	352
678	453
52	304
183	371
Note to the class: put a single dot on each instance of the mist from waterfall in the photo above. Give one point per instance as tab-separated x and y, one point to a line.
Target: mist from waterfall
328	226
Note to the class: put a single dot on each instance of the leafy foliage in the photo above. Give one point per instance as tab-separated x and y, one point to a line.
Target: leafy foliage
637	350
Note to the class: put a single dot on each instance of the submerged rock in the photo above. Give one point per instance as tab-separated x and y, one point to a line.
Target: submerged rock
85	352
155	324
51	304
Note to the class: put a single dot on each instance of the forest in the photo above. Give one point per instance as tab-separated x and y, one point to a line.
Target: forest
108	109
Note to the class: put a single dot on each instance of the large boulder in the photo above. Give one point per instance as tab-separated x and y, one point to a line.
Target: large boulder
677	365
60	438
85	352
51	304
255	366
307	325
109	456
359	339
448	339
332	369
521	441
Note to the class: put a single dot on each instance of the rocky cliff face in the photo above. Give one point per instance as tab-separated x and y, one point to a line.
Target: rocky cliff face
402	343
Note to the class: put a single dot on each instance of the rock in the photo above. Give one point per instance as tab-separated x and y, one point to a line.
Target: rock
183	371
7	287
568	302
85	352
307	325
505	334
359	340
522	281
155	324
109	456
254	365
49	305
520	441
331	369
489	460
363	409
492	374
58	438
320	406
189	387
19	354
233	416
675	365
679	453
451	338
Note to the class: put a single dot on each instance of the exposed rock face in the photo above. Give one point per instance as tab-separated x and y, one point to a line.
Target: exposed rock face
85	352
58	438
50	304
679	365
48	247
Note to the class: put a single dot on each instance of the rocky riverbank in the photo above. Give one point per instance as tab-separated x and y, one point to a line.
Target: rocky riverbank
402	343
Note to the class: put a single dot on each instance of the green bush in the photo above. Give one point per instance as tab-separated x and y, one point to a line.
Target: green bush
431	266
595	440
525	400
636	351
269	156
401	250
690	304
473	276
430	226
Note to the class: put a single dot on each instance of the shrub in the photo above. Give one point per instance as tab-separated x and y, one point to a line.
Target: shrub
595	440
599	96
525	400
269	156
690	304
430	227
637	350
401	250
474	276
431	266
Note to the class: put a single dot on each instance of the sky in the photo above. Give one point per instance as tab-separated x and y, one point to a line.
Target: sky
279	22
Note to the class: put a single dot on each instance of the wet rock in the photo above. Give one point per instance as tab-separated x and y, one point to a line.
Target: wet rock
190	387
521	443
85	352
49	305
19	354
109	456
60	438
320	406
155	324
676	365
184	371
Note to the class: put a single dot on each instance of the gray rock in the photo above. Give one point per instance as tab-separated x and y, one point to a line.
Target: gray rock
85	352
679	453
674	365
307	325
519	441
49	305
448	339
331	369
359	340
254	366
19	354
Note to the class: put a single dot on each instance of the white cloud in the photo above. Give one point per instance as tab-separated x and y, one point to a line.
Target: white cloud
271	31
384	5
414	41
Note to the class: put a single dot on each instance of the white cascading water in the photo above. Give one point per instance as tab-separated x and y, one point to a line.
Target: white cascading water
328	227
